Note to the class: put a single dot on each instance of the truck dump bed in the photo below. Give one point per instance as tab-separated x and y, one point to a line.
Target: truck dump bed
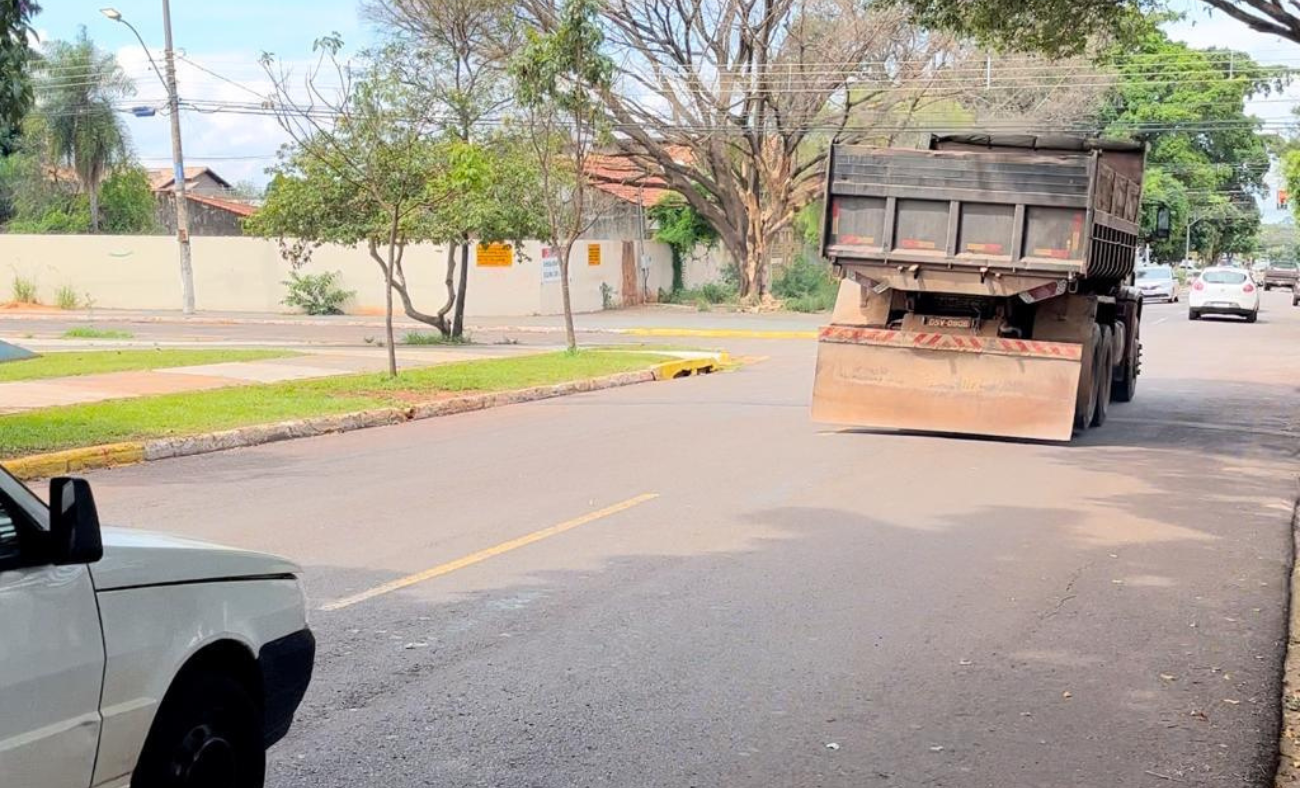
1025	204
981	286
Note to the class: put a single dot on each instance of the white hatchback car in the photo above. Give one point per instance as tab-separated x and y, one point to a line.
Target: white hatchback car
133	659
1157	282
1223	291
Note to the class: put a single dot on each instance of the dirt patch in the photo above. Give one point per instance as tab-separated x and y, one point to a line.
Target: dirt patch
22	306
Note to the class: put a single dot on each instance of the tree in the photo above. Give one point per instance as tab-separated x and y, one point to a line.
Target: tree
735	102
15	61
1207	160
363	167
37	197
128	203
1066	26
457	52
560	75
85	132
248	190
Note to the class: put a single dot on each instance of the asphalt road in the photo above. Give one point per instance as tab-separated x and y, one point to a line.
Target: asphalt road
795	606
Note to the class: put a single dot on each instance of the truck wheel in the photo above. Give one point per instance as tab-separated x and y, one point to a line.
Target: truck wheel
1124	387
1084	413
207	734
1106	374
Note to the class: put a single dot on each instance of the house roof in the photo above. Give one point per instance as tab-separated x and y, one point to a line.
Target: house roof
624	178
239	208
163	178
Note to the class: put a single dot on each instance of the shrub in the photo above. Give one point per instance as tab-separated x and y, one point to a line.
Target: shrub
24	290
316	294
806	285
67	298
89	332
430	338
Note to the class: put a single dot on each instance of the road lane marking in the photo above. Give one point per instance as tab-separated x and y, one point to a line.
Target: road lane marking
483	555
1161	320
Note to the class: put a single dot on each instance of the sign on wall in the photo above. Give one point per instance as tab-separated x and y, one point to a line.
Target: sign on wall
494	256
550	264
593	254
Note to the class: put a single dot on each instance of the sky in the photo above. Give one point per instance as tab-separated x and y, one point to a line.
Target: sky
225	36
228	37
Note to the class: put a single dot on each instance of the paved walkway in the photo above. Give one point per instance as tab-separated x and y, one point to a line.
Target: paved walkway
32	394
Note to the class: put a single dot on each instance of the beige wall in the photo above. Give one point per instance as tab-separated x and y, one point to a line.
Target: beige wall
245	274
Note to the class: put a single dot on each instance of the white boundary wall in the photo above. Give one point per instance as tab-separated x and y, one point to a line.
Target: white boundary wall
246	274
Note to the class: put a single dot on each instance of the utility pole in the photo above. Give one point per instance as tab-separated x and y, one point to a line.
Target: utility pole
178	161
178	157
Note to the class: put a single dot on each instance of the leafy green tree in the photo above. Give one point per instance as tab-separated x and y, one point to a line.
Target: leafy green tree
1207	159
15	62
558	76
364	169
128	203
85	131
683	229
1067	26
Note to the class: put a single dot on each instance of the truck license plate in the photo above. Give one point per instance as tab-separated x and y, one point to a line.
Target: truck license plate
948	322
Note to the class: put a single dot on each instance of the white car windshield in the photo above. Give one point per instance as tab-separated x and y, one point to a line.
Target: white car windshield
1155	273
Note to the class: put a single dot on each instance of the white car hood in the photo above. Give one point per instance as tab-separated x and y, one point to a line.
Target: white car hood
140	558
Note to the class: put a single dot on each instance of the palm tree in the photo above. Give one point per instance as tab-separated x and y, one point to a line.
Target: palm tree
75	90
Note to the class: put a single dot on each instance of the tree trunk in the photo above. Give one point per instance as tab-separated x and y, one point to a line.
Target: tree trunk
679	269
569	335
458	320
388	298
93	192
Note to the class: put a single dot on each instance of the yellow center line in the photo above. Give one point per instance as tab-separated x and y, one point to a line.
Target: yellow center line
483	555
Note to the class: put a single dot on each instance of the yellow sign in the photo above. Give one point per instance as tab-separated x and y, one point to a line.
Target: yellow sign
593	254
494	256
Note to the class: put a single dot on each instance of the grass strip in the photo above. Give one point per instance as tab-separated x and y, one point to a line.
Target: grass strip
93	362
192	413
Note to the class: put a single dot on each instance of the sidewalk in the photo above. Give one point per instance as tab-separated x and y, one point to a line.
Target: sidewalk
49	392
633	320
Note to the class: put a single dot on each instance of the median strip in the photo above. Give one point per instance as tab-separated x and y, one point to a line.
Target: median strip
123	432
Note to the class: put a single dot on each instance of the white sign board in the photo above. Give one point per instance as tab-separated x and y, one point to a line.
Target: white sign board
550	264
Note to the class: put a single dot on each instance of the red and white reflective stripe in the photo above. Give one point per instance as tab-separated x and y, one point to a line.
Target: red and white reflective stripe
966	343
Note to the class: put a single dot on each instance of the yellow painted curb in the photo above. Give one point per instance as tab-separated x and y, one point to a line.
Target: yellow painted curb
719	333
690	366
44	466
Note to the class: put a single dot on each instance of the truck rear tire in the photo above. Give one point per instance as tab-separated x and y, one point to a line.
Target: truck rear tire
1106	374
1125	384
1083	417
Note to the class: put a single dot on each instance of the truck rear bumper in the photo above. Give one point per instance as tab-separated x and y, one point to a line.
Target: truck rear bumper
955	383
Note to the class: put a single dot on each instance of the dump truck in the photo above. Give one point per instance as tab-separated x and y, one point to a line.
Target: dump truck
986	285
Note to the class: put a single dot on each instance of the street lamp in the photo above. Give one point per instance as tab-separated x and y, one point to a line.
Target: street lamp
178	158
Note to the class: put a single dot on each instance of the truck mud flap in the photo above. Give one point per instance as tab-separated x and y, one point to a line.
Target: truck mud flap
954	383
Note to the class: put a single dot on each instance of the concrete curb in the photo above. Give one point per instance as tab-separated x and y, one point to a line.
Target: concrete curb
1288	763
42	466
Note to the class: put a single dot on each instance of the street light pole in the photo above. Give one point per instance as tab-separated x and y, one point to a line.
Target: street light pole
178	157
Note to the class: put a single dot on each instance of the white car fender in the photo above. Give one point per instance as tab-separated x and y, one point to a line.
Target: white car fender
151	632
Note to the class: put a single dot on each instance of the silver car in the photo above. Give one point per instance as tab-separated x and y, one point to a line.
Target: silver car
1157	282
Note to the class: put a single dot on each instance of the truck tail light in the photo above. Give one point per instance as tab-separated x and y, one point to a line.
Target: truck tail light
1199	285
